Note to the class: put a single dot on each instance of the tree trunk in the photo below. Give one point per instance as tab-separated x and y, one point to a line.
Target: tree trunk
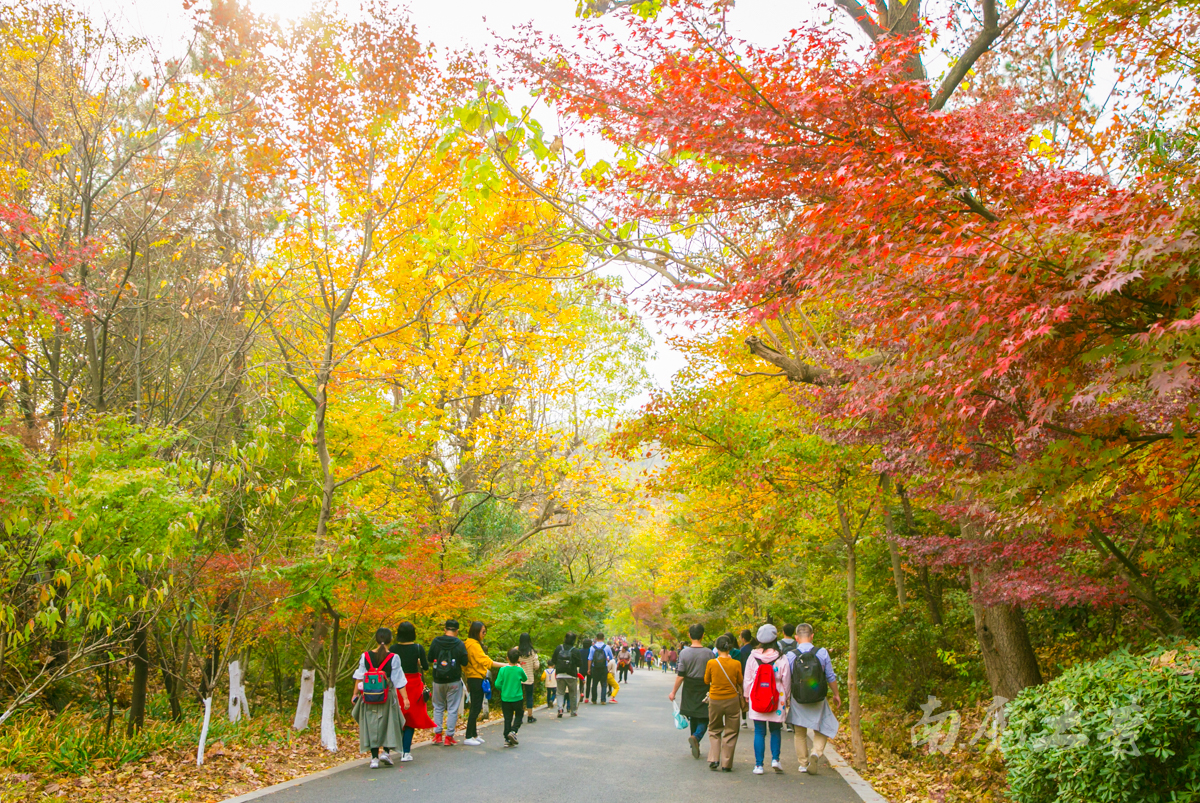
885	484
1008	656
933	596
141	674
238	705
328	710
931	591
850	538
856	738
171	683
308	674
204	731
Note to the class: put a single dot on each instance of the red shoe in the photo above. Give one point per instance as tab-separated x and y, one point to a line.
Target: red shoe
449	741
613	701
437	738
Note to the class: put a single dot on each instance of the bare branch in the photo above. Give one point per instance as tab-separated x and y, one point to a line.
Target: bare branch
865	21
991	31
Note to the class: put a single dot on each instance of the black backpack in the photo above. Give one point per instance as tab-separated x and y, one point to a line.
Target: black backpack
599	662
564	661
445	667
808	678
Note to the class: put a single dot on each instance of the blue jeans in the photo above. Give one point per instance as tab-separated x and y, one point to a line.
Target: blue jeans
407	736
760	738
698	727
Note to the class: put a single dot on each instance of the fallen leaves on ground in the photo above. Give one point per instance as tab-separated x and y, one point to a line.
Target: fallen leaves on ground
902	773
171	776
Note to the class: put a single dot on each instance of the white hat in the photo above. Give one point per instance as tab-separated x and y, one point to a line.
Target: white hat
767	634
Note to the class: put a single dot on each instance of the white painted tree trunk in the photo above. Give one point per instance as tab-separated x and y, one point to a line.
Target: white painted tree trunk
204	731
328	707
308	687
238	705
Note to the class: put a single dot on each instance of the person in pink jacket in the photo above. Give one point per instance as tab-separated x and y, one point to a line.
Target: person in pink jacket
767	655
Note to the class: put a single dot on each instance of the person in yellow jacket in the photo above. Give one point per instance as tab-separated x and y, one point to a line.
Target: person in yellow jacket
613	686
477	668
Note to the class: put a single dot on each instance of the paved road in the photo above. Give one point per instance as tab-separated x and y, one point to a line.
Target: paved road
626	753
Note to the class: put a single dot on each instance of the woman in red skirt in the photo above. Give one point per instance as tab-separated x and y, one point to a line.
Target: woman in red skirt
413	662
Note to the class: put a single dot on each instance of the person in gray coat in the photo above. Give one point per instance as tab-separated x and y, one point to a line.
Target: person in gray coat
815	717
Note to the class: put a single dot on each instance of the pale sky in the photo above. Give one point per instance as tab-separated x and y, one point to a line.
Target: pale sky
453	24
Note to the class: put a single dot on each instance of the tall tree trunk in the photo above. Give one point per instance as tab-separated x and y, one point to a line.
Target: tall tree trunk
171	681
850	538
856	738
931	591
329	698
1008	656
141	674
308	673
885	485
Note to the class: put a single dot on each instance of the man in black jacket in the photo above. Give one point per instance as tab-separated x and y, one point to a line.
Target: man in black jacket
447	656
566	667
581	657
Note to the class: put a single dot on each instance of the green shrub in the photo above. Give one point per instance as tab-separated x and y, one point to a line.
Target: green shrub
1125	728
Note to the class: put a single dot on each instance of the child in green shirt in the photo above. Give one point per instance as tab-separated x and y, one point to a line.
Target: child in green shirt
509	682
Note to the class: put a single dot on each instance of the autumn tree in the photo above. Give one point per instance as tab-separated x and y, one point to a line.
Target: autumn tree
994	313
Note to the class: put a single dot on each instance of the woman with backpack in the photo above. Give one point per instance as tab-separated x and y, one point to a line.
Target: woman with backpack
768	685
532	664
375	708
413	662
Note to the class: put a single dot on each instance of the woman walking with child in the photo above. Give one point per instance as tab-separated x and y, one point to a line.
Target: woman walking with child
477	669
767	685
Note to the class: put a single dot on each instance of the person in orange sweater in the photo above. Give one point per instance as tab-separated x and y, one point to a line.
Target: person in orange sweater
723	675
477	668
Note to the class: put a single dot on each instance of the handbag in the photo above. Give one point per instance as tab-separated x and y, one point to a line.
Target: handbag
681	722
745	704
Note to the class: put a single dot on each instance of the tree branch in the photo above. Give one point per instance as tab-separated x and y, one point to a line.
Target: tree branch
356	475
865	21
991	31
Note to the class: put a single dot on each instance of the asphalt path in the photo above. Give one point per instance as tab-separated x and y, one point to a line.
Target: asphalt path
624	753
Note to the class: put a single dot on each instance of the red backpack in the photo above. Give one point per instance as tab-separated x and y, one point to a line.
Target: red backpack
374	682
764	696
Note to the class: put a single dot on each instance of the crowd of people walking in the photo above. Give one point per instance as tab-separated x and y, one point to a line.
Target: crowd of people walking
757	681
767	683
390	700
